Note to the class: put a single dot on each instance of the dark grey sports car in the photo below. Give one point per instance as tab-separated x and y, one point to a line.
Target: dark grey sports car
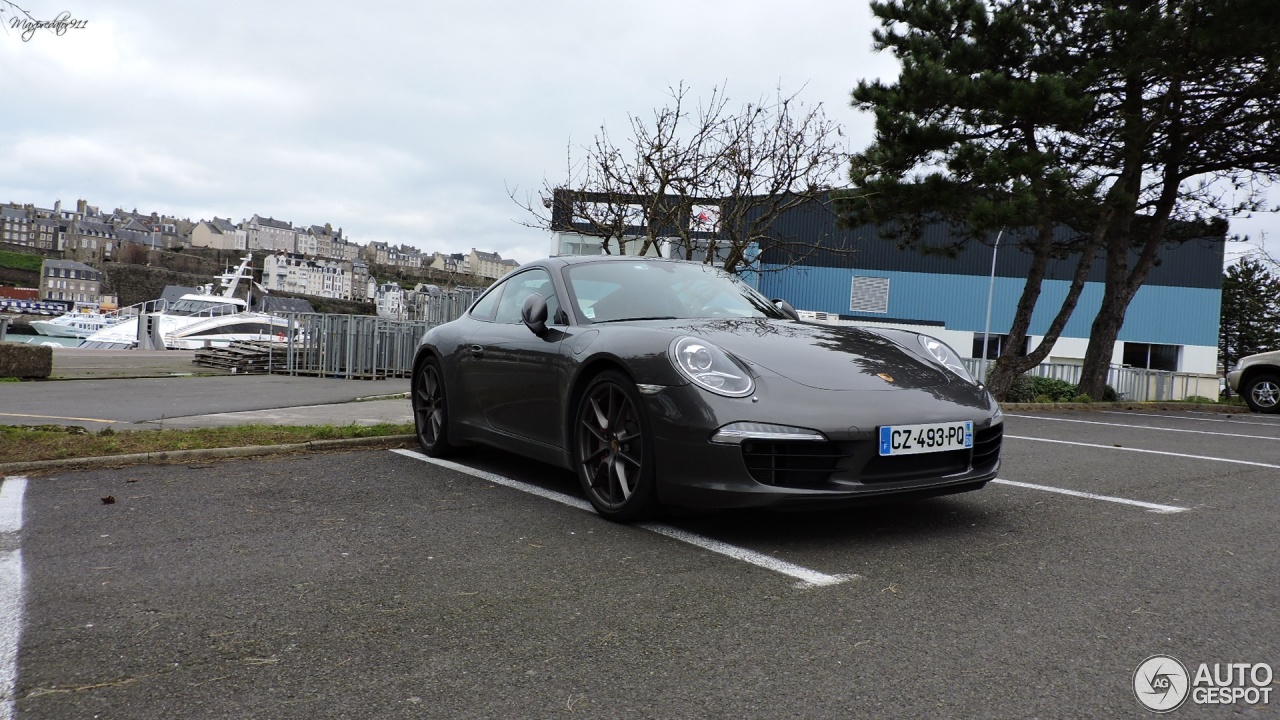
663	382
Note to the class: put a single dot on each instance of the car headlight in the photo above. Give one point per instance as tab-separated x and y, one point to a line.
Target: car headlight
945	355
710	367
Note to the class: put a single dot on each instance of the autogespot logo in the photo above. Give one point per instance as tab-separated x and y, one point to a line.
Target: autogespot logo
1161	683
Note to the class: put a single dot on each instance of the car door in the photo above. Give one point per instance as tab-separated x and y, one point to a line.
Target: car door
519	376
465	382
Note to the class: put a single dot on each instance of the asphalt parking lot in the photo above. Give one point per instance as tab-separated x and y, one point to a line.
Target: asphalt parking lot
376	584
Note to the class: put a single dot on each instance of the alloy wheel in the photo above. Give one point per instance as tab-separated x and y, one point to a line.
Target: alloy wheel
610	445
429	405
1266	393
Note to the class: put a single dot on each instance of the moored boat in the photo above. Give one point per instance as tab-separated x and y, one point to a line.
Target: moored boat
197	320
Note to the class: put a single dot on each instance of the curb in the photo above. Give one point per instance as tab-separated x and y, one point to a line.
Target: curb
1138	406
168	456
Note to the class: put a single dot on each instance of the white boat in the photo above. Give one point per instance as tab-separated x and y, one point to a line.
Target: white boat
87	318
198	320
83	321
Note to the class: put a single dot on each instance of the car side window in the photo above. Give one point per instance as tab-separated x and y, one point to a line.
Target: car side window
520	287
483	310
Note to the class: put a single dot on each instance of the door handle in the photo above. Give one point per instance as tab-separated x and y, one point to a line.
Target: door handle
477	351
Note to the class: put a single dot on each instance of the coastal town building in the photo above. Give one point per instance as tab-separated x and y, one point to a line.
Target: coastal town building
270	234
17	226
296	273
362	285
446	263
219	234
70	281
389	300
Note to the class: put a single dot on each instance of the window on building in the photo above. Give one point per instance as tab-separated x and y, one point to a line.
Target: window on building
869	295
995	343
1151	356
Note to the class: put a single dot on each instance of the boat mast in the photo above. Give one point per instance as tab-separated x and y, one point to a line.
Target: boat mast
231	280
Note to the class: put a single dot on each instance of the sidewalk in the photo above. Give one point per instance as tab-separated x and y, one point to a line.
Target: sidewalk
369	412
77	364
138	390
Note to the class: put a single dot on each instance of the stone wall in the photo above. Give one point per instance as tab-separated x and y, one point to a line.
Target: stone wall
138	283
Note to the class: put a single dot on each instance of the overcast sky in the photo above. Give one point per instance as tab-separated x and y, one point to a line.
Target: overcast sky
399	122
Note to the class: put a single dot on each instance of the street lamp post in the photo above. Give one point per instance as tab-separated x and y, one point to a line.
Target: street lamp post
991	288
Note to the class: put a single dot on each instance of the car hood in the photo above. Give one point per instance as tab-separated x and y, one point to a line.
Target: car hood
821	356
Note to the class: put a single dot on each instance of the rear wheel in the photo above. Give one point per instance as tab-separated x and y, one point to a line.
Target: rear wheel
613	451
430	416
1262	393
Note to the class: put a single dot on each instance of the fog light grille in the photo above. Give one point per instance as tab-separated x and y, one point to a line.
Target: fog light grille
791	463
986	446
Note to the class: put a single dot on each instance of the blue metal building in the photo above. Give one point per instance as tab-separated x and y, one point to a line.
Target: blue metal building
1172	323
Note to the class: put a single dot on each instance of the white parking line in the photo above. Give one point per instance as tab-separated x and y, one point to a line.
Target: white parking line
1192	419
1143	427
808	578
1150	452
1153	507
11	492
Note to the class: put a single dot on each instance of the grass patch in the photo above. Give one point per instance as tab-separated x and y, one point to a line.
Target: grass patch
25	443
20	261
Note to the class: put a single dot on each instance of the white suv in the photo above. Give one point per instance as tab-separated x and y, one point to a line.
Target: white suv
1257	378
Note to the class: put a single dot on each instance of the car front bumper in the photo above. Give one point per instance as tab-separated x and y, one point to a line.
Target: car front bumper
845	469
1233	379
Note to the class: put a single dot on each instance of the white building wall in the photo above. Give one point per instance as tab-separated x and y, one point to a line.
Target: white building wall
1199	359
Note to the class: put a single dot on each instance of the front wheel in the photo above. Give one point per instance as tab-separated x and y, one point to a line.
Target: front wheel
430	411
613	451
1262	393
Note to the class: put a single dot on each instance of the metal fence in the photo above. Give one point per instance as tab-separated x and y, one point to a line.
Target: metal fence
363	347
1130	383
354	347
437	308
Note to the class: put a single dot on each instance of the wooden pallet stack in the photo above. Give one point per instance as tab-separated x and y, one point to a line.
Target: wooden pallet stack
244	357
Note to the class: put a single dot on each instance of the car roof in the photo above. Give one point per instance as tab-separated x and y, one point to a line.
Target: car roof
564	260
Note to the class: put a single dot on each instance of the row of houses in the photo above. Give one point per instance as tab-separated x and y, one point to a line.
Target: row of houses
308	259
486	266
86	233
271	235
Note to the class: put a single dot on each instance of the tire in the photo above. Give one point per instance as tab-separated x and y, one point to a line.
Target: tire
613	449
430	409
1262	393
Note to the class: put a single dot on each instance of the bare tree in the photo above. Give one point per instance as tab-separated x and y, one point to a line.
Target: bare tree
707	180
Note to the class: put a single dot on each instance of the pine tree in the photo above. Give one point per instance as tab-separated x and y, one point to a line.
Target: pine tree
971	135
1120	123
1250	312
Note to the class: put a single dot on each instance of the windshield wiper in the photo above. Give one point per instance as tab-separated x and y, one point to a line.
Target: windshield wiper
655	317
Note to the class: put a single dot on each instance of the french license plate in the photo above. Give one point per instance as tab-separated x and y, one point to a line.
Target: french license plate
927	438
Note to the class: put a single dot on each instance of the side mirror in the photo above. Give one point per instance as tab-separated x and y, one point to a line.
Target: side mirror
786	308
534	314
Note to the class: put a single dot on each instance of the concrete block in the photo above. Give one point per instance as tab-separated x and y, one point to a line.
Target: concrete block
25	361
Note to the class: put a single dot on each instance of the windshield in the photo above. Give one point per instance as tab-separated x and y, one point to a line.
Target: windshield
191	306
662	289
